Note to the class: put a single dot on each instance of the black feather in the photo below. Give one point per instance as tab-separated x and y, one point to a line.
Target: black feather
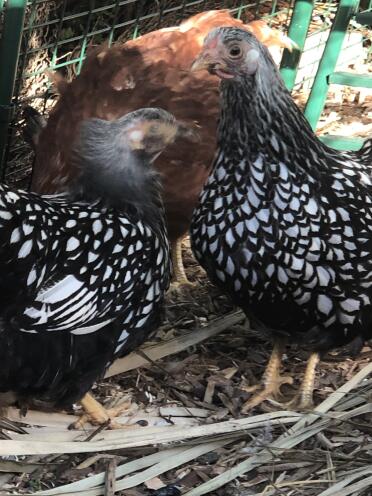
34	124
82	275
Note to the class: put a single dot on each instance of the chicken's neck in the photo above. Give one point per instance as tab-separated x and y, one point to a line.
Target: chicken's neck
259	117
125	182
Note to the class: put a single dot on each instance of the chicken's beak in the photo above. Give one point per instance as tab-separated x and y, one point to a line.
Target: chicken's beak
202	62
212	63
188	131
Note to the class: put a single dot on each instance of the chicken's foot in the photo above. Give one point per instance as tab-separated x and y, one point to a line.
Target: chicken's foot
96	414
304	398
272	380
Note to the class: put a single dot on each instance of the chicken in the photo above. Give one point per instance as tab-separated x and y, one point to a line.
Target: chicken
83	273
150	70
284	223
35	122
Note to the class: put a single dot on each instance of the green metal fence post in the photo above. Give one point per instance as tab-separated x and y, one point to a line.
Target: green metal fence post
14	14
297	31
319	90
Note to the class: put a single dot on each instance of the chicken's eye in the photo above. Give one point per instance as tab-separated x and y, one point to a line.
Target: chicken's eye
234	51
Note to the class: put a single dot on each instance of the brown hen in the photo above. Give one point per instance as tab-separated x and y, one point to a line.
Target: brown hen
151	71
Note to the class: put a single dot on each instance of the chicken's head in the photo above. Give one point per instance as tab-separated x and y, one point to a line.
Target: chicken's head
156	129
231	53
146	132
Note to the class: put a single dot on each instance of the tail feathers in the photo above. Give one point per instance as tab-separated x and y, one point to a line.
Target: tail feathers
365	153
287	42
270	36
34	124
59	83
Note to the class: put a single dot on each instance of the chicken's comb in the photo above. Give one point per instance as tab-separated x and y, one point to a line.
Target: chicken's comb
141	131
166	132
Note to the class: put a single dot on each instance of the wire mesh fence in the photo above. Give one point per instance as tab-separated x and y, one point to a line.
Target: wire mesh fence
58	33
356	48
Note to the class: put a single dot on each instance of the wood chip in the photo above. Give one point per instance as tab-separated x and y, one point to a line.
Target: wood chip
209	392
110	479
154	483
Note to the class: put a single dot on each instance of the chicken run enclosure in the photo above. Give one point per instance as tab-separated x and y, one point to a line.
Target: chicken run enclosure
183	391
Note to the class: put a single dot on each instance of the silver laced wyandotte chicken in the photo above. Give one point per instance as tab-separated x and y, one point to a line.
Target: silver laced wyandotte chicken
150	70
284	223
83	273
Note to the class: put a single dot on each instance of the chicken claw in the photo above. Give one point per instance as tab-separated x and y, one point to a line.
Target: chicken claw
273	381
303	400
96	414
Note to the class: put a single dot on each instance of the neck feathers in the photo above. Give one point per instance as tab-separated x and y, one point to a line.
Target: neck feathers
271	123
113	174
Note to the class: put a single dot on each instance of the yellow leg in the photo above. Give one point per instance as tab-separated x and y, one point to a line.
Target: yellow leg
304	398
96	414
179	274
272	380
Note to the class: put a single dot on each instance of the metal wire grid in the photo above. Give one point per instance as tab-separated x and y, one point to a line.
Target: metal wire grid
98	23
57	34
317	38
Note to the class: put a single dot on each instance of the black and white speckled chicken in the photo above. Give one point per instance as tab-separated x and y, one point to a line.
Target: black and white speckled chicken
284	223
83	273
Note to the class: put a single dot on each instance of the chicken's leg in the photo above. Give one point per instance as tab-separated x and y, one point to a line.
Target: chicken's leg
96	414
272	379
304	398
179	274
